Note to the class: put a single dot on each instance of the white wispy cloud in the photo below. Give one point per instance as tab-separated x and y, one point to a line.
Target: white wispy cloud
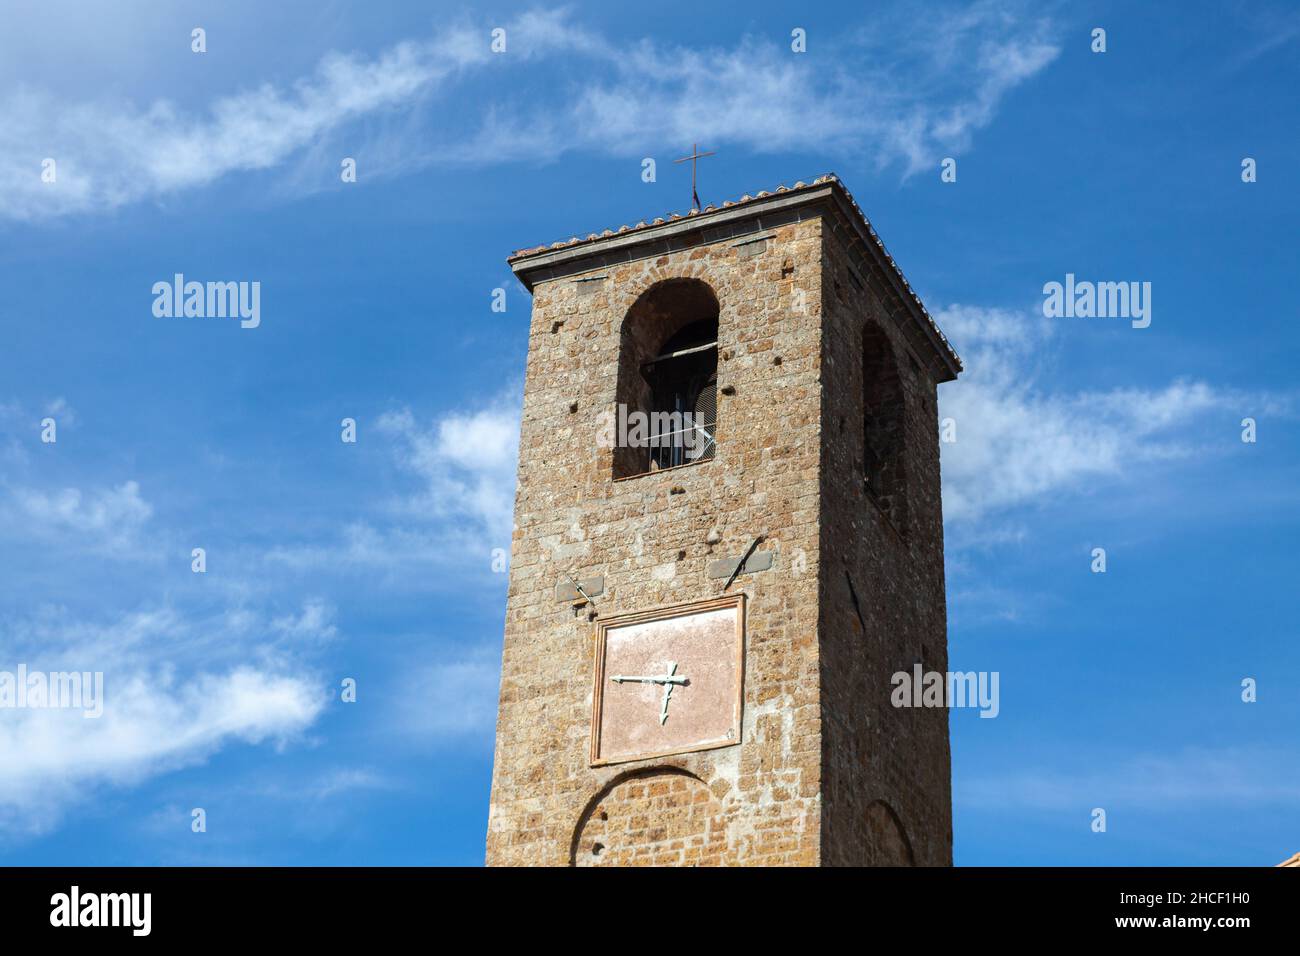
911	102
451	699
106	519
1199	776
175	692
1020	440
456	472
314	622
466	461
571	88
21	424
110	153
320	786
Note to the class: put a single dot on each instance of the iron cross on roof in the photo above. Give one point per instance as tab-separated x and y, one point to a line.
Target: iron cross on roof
695	155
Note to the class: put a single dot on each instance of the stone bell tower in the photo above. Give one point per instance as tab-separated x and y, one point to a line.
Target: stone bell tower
728	536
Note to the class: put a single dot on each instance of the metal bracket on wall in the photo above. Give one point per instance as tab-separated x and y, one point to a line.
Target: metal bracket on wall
731	568
571	591
853	595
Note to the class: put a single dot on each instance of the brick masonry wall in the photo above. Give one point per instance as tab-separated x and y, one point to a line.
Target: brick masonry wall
656	818
885	768
787	794
647	536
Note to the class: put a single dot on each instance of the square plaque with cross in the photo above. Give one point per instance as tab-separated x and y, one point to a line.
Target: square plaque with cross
668	681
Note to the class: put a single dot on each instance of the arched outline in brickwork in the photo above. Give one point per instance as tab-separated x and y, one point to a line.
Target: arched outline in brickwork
665	309
884	430
890	817
594	803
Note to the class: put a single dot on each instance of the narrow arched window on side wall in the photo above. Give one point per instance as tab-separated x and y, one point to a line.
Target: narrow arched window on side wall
667	379
884	465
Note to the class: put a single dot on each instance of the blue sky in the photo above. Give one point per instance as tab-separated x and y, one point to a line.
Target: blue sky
373	560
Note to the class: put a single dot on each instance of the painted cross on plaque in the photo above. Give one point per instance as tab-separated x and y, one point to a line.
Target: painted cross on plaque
668	681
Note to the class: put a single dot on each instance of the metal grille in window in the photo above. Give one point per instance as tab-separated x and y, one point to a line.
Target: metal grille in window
684	388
